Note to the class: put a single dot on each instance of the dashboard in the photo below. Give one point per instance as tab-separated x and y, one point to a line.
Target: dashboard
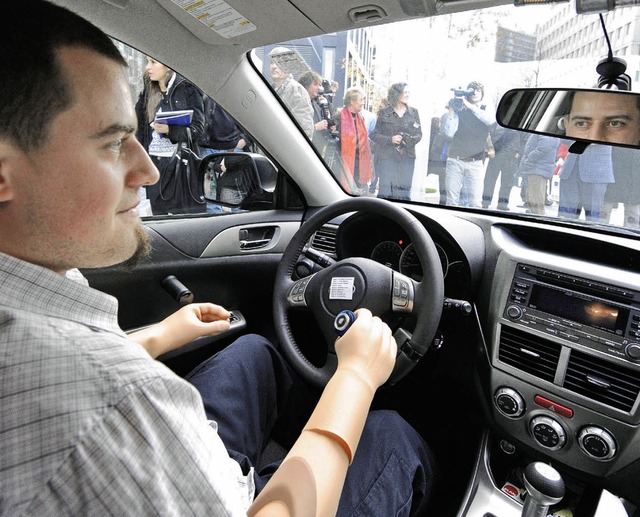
379	239
558	353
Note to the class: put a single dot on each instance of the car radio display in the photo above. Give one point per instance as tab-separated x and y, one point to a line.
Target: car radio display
579	308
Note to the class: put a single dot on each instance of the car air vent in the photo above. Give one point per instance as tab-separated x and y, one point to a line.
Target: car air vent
602	381
324	240
527	352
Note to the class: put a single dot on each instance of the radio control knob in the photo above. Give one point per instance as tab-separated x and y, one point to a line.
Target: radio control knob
514	312
509	402
597	443
633	351
548	432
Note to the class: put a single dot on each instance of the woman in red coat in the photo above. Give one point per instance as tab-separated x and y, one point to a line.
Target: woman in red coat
354	144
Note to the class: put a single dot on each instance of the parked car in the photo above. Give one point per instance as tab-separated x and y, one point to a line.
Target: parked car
518	331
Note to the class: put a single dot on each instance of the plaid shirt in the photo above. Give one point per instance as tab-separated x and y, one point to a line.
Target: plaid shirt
90	424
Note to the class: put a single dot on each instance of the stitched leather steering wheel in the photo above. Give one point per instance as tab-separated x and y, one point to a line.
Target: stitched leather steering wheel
356	282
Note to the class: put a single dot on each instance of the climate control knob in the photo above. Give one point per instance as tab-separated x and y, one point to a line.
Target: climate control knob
548	432
597	443
509	402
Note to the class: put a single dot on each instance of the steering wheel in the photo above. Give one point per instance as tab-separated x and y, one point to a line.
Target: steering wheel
357	282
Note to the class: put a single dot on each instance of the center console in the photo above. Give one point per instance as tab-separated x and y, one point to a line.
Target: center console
495	488
565	355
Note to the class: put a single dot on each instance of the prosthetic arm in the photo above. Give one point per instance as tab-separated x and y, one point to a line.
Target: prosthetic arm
309	482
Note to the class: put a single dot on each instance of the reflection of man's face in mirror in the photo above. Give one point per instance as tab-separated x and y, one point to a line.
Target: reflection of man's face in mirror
604	116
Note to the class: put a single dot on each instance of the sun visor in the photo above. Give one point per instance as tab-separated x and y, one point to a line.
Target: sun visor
223	23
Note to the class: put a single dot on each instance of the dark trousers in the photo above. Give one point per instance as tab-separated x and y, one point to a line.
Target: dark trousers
503	166
249	390
395	177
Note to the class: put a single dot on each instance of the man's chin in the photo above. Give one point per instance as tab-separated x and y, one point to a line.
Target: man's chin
142	252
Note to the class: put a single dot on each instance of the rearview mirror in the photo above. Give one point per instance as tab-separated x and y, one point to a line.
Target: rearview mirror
602	116
238	180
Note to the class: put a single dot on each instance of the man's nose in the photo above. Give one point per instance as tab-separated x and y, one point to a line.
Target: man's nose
597	132
142	169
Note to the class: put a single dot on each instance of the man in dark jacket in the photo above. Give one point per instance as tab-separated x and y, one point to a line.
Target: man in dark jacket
221	133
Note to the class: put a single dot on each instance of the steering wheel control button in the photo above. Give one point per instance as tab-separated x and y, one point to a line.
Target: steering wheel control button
343	321
553	406
548	432
402	294
597	443
296	294
509	402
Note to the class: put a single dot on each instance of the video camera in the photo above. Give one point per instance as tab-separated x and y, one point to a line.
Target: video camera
325	111
459	94
325	90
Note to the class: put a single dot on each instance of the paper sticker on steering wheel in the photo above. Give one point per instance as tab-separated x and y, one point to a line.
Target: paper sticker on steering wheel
342	288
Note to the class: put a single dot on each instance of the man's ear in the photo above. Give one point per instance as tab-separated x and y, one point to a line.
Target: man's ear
6	189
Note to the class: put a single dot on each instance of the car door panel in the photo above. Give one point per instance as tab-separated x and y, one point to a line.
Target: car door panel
206	255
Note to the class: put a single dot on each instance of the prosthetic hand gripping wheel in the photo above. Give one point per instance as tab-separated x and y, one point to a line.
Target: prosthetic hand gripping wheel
343	322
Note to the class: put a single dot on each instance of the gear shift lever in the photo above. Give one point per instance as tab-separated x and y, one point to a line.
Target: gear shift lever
544	487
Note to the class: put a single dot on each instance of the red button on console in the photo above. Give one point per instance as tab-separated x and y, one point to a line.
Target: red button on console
553	406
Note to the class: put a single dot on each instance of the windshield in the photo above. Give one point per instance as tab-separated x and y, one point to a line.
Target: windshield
407	111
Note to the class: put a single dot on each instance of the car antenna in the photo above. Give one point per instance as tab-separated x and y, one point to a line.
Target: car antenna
612	69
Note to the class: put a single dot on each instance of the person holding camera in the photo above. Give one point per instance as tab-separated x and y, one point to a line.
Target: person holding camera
323	112
396	134
466	123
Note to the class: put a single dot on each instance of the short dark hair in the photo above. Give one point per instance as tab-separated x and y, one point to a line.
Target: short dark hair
308	78
476	85
34	87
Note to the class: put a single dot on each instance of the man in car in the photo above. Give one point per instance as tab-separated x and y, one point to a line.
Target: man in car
90	424
605	116
610	117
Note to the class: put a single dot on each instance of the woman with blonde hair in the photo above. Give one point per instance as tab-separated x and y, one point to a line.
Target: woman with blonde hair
354	143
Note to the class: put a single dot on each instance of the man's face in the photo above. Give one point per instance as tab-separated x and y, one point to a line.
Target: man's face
604	116
313	89
276	74
476	96
73	201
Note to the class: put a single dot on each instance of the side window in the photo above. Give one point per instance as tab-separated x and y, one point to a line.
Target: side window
208	163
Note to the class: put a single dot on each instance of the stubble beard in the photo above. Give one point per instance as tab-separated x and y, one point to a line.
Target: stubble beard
142	252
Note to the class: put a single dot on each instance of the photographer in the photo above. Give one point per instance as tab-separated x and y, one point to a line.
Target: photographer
467	124
324	124
396	134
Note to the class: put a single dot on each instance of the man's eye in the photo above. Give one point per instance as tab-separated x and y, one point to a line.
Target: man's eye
580	124
617	124
116	145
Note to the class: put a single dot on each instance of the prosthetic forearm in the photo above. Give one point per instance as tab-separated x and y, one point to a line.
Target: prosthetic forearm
310	480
